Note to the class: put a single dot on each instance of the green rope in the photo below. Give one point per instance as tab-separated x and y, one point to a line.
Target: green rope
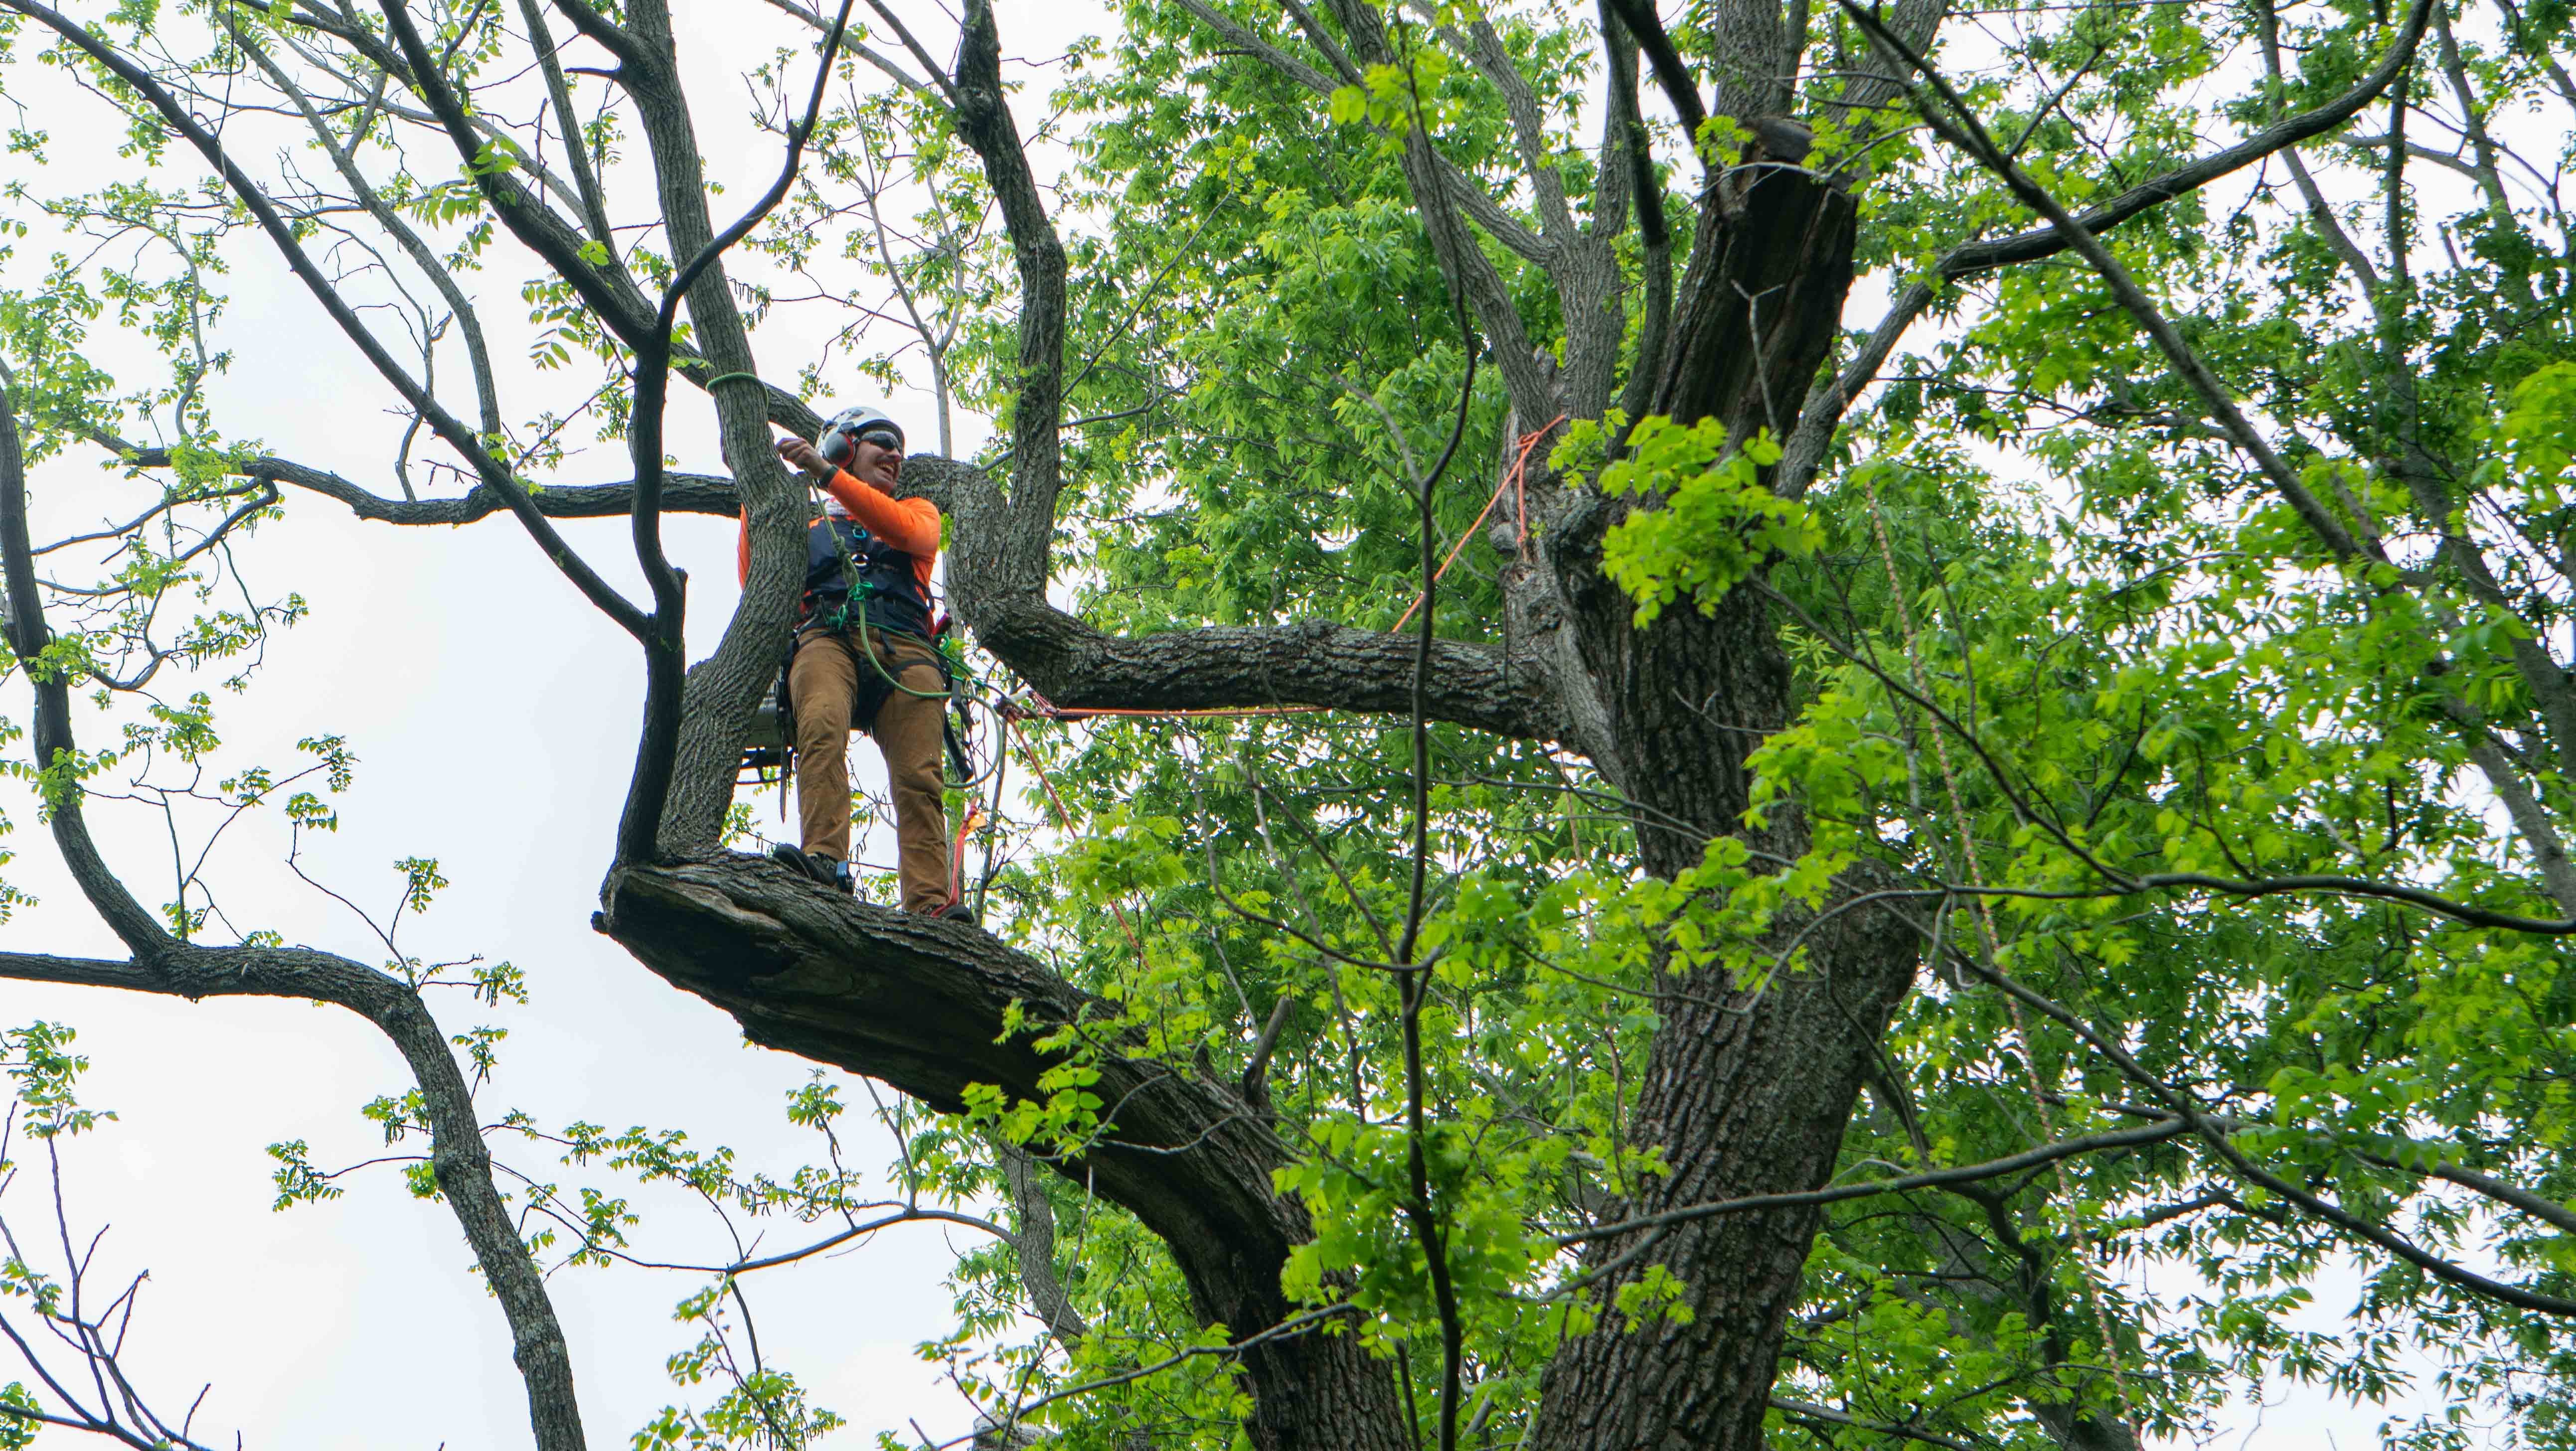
853	611
868	648
710	384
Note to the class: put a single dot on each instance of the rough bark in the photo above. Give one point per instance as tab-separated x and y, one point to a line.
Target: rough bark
1314	662
726	685
1758	310
1747	1090
1747	1094
918	1003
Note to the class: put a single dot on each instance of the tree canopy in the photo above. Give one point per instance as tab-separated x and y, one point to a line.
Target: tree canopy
1780	725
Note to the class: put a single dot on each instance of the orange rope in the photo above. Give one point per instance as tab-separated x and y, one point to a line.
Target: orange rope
1057	712
957	851
1064	819
1517	482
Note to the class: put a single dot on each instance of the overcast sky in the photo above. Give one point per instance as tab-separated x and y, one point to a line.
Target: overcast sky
494	715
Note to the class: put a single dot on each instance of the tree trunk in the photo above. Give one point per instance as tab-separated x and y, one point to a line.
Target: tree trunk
1747	1090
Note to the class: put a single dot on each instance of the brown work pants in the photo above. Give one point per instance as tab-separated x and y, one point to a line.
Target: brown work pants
829	683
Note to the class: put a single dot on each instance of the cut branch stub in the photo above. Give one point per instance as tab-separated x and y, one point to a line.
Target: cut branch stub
920	1003
1760	303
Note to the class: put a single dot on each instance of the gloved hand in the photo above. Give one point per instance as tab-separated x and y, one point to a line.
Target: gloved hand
798	454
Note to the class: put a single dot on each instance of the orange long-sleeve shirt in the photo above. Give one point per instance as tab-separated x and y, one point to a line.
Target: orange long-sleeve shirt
911	525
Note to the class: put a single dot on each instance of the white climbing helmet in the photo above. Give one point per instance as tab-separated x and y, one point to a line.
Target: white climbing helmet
840	440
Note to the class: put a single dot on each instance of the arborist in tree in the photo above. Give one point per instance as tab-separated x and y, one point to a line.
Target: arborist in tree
863	657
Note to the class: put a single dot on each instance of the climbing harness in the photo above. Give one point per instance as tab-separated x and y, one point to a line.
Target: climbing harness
865	579
856	587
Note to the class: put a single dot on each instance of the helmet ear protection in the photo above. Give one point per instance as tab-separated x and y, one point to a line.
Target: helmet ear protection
840	441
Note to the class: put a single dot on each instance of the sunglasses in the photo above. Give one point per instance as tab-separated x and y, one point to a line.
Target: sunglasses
840	445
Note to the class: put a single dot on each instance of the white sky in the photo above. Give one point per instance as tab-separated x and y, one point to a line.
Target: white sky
494	716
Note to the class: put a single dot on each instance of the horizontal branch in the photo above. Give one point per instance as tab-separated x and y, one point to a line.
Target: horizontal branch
88	972
2045	1154
681	493
1312	662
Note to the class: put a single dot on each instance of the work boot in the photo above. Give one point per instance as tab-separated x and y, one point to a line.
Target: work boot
960	912
827	870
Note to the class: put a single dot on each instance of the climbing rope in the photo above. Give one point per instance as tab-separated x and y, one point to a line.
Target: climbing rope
1008	710
1064	821
868	648
1513	482
1984	916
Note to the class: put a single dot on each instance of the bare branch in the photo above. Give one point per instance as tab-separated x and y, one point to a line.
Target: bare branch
449	428
2033	1158
594	205
681	493
1823	410
163	964
478	357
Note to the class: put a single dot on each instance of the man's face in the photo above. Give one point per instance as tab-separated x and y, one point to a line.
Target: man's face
876	461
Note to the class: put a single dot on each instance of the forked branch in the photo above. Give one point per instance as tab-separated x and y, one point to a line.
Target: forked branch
165	965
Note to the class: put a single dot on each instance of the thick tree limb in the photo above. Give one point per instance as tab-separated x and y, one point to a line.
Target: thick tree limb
999	570
1311	663
920	1003
1025	526
665	767
1671	71
1759	299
